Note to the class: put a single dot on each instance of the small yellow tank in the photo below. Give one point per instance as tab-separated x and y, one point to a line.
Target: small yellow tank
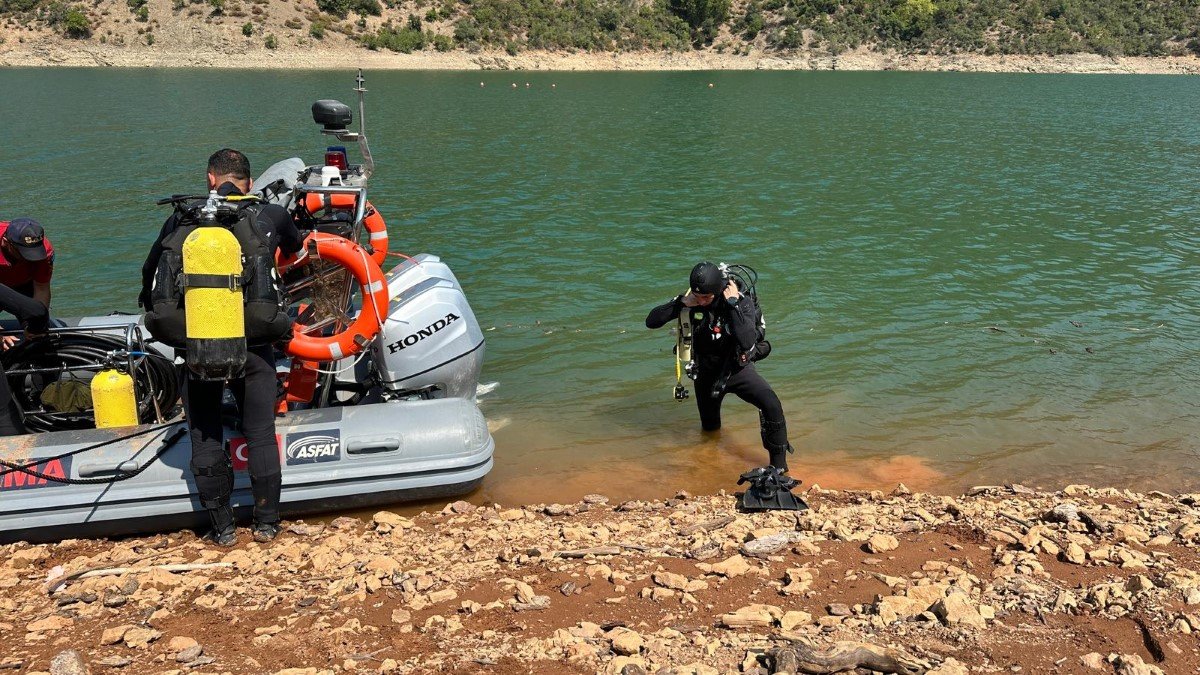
113	399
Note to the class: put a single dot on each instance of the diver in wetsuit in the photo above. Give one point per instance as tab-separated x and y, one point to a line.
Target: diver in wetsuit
726	343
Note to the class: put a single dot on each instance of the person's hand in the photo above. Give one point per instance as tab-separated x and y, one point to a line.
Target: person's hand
8	341
731	291
690	300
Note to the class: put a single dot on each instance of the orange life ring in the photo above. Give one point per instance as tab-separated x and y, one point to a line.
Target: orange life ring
316	202
370	318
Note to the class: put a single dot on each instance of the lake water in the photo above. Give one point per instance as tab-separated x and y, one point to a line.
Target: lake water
967	278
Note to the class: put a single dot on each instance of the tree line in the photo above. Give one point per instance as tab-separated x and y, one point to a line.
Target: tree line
1106	27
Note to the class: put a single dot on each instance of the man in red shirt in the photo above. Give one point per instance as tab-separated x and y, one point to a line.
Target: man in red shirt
26	262
26	258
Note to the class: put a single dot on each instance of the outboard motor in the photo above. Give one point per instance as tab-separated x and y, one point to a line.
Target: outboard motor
431	346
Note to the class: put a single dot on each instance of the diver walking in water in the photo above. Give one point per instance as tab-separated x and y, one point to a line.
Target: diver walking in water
727	334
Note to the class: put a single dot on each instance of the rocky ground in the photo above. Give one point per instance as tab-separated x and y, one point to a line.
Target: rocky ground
1000	580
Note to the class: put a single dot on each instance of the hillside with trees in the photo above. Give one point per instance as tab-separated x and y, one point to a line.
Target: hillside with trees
1000	27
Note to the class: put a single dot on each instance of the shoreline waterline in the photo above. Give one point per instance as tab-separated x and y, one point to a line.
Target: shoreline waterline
65	53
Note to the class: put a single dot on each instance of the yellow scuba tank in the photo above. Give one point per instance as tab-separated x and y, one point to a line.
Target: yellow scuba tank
113	399
683	352
213	302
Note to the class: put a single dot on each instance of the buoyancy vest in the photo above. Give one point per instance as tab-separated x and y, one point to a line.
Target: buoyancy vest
266	316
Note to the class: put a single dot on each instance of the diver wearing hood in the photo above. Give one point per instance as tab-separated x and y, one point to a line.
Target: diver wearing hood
726	340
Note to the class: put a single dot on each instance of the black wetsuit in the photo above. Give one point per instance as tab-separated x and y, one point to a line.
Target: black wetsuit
34	317
724	337
255	392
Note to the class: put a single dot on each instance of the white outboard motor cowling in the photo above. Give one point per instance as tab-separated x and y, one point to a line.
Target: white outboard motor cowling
431	344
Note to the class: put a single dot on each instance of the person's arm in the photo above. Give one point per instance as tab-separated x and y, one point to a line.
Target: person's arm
659	316
33	315
42	274
151	265
290	239
41	293
741	317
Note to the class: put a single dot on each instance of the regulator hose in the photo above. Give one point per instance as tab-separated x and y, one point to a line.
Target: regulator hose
77	356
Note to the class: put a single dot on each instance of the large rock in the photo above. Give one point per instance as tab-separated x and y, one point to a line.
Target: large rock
69	662
797	580
956	609
735	566
112	636
138	637
761	616
881	543
625	641
893	608
671	580
1130	533
50	623
1132	664
793	619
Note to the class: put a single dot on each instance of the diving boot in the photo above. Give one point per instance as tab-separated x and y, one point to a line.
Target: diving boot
224	530
265	532
266	507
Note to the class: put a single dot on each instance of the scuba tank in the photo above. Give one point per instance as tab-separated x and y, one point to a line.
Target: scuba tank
683	353
213	302
216	289
113	399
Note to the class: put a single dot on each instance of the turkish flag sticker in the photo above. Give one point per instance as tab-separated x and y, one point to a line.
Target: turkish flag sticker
239	451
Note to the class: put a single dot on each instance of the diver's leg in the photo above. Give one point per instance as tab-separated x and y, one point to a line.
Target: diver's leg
709	407
256	399
749	386
211	466
10	417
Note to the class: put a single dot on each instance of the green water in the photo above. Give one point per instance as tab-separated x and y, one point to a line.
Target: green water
894	219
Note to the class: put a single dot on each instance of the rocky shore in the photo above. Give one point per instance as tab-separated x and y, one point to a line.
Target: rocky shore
45	51
1002	579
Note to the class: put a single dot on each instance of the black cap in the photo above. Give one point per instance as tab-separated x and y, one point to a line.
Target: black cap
29	238
707	279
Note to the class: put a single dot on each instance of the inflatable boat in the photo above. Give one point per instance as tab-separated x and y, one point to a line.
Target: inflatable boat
364	420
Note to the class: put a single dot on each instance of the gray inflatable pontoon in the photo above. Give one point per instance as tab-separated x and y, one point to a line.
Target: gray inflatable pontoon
332	458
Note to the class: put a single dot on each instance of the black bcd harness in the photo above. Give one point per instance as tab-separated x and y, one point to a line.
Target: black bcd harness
265	307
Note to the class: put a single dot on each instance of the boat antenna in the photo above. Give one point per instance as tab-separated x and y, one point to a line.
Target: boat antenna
368	162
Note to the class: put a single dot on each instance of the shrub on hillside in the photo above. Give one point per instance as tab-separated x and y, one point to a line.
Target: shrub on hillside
343	8
704	16
76	24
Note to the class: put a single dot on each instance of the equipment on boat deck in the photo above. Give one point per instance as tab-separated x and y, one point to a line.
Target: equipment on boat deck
378	387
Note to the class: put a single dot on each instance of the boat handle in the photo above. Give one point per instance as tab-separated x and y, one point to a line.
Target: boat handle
372	446
92	470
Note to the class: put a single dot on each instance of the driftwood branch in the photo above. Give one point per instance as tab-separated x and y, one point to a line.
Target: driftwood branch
584	552
116	571
708	525
843	657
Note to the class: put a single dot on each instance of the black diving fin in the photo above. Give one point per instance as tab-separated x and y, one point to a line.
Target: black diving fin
769	490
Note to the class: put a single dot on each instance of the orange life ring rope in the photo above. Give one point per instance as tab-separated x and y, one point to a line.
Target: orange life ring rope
370	318
315	202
